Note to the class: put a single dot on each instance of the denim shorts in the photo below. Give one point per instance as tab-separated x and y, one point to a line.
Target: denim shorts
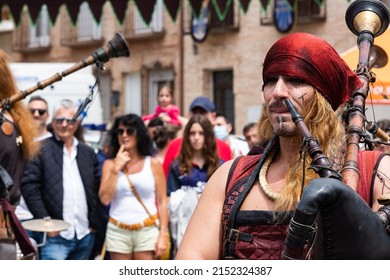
128	241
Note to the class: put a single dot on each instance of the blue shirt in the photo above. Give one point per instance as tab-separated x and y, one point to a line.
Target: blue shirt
197	178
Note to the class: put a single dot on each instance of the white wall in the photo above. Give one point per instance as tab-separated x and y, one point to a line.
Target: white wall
75	86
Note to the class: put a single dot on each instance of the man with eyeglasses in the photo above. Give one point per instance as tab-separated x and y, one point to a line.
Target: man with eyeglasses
39	109
62	183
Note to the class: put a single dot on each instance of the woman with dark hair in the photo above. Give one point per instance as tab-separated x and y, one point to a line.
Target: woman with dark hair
197	161
131	232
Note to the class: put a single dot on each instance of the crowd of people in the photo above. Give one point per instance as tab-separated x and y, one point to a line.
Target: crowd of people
161	183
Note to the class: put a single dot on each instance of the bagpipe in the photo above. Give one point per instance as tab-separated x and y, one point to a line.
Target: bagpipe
116	47
331	220
9	223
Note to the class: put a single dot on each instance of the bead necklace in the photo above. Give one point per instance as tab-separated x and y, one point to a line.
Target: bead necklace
263	181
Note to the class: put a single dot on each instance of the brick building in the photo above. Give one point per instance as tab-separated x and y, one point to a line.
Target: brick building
225	67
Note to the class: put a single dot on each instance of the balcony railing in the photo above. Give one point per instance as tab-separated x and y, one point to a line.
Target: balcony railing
134	27
231	22
32	38
86	31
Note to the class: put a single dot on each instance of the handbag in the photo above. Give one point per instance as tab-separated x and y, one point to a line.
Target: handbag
166	255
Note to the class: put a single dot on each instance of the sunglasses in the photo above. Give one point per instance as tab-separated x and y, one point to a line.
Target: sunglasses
41	112
61	120
129	131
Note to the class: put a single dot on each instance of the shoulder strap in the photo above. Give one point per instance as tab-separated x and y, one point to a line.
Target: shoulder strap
243	174
20	233
136	194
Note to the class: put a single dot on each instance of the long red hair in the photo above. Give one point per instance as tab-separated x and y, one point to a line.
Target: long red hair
19	111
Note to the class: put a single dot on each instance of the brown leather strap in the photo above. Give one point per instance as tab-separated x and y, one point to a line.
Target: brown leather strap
136	193
20	233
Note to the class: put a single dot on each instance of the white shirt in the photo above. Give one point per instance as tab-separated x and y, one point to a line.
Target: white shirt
125	207
238	146
75	209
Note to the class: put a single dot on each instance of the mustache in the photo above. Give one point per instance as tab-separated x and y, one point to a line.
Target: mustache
278	104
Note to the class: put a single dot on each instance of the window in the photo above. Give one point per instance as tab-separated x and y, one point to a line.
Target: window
135	28
40	32
87	28
156	79
229	23
228	20
223	93
156	23
308	11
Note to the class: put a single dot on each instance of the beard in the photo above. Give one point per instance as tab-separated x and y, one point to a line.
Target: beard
284	127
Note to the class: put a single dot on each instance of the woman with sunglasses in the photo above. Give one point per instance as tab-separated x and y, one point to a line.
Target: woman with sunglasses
17	133
137	227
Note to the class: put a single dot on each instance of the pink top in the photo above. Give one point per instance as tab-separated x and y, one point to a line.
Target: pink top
172	111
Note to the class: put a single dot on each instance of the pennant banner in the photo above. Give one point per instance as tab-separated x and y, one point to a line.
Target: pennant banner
144	7
265	4
244	4
221	8
173	7
73	8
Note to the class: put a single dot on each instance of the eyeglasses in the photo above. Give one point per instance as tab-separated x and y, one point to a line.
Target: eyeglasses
41	112
61	120
129	131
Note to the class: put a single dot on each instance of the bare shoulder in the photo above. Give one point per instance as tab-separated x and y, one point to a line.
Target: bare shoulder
382	178
384	164
218	180
155	162
108	163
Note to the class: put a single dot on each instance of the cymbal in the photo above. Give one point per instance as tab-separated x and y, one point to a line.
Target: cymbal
45	225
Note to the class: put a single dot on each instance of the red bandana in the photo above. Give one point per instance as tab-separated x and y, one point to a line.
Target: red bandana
313	60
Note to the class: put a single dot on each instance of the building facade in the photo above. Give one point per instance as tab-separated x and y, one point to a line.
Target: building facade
226	66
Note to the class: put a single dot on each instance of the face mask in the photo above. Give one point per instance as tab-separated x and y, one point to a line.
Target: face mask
154	146
220	132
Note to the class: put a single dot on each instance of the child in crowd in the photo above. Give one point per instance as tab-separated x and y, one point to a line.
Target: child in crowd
165	110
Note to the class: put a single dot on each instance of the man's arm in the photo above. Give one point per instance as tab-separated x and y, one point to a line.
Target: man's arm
31	188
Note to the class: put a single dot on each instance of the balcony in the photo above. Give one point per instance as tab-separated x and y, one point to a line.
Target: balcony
86	31
134	27
32	38
231	22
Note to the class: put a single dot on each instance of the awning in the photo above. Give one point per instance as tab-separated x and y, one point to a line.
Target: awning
380	90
